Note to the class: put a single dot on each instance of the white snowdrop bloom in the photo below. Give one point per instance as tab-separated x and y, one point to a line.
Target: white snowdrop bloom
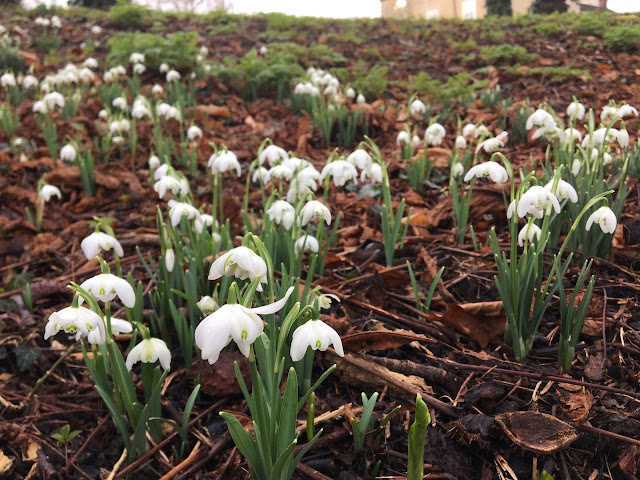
169	259
403	138
207	305
571	135
604	217
341	171
468	129
330	90
281	171
85	75
139	69
261	175
223	161
162	170
491	169
325	299
119	326
317	335
272	154
360	99
177	210
91	63
308	243
282	212
314	91
162	109
194	132
242	263
563	190
296	164
119	102
233	322
8	80
530	232
205	220
350	93
360	158
457	170
415	141
627	110
173	76
164	68
599	137
434	134
157	89
576	165
103	114
540	118
149	350
307	178
68	153
99	241
490	145
106	286
78	321
154	162
140	110
122	125
204	50
610	112
417	108
461	142
53	99
550	131
39	107
47	191
173	112
30	82
136	58
314	209
117	140
301	89
43	22
96	30
623	138
575	111
169	182
55	22
374	172
607	159
535	201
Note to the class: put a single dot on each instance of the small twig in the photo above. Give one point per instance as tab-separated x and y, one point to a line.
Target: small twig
44	377
195	455
118	464
310	472
604	330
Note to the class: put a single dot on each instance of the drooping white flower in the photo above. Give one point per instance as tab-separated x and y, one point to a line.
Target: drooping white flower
164	68
374	172
341	171
119	102
599	137
272	154
157	89
233	322
434	134
140	109
55	22
360	158
457	170
91	63
103	114
47	191
549	132
261	174
53	99
119	326
535	201
242	263
194	132
308	243
403	138
177	210
623	138
604	217
607	159
317	335
350	93
106	286
627	110
96	30
491	169
8	80
575	111
529	232
78	321
173	76
540	118
136	58
563	190
576	165
324	300
417	108
223	161
282	212
461	142
468	129
39	107
149	350
205	220
281	171
207	305
316	210
360	99
85	75
99	241
490	145
139	69
571	135
169	259
68	153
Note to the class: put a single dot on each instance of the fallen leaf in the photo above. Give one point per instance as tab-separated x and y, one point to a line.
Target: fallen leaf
482	321
537	432
5	463
380	340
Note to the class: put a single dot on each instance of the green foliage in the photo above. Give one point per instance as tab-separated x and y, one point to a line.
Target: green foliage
47	43
41	10
101	4
556	74
315	54
11	60
455	87
178	50
547	29
128	15
25	356
622	38
374	84
499	7
548	6
66	435
507	53
595	23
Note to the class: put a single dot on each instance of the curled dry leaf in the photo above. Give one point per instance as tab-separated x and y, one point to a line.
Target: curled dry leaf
537	432
482	321
380	340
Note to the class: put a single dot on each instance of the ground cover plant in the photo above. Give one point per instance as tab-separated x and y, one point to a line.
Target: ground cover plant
275	247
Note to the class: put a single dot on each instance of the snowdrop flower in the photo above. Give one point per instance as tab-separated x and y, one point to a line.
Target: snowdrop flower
194	132
295	164
139	69
169	259
627	110
576	165
106	286
272	154
549	131
490	145
223	161
204	50
55	22
85	75
434	134
282	212
162	170
529	232
136	58
233	322
39	107
610	112
242	263
461	142
205	220
281	171
99	241
91	63
575	111
571	135
164	68
169	182
535	201
68	153
149	350
417	108
623	137
8	80
47	191
563	190
308	243
604	217
207	305
457	170
403	138
491	169
119	102
103	114
119	326
324	300
350	93
374	172
154	162
307	177
157	89
316	210
599	137
606	159
29	82
360	99
173	76
140	110
53	99
78	321
468	129
360	158
96	30
341	171
261	175
117	140
44	22
177	210
540	118
317	335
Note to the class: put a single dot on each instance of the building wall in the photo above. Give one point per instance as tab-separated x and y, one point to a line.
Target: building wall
444	8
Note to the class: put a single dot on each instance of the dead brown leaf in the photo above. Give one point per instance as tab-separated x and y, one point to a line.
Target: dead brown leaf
380	340
482	322
537	432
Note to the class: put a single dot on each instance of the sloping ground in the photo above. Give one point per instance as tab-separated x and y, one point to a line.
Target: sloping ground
461	363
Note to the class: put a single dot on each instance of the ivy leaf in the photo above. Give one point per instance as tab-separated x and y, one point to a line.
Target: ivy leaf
25	356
